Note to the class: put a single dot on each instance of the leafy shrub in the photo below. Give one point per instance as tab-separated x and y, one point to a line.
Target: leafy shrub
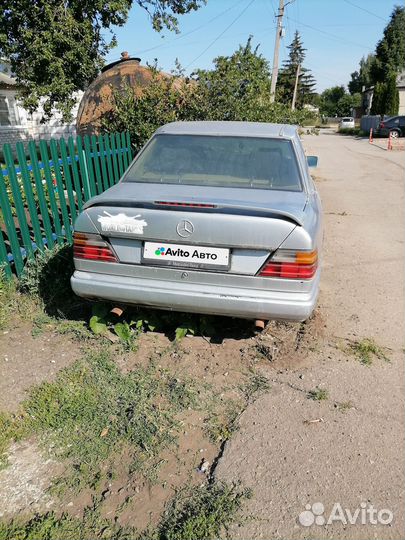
238	88
47	276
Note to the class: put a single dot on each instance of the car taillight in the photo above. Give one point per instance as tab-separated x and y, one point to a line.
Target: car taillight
92	247
289	264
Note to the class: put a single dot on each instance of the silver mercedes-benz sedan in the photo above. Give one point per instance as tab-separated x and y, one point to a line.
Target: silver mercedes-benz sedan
211	217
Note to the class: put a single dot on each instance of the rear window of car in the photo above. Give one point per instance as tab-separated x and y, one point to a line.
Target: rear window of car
347	119
219	161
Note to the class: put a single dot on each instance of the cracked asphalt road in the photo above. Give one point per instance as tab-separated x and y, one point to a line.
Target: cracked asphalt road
348	449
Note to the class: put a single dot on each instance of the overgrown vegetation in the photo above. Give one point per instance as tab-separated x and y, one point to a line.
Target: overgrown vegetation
99	420
237	88
93	411
57	49
47	277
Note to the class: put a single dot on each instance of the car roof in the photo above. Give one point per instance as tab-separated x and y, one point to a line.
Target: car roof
236	129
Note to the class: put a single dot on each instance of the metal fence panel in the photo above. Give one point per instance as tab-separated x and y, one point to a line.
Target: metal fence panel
42	192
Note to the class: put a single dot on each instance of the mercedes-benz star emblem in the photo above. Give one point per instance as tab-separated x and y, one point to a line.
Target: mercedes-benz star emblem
185	228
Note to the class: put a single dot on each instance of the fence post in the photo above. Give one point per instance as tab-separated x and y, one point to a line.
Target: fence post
83	169
10	227
18	202
4	263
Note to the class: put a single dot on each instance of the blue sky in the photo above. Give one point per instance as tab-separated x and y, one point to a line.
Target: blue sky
336	34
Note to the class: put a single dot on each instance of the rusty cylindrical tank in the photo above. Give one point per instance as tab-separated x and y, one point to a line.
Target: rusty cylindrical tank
96	100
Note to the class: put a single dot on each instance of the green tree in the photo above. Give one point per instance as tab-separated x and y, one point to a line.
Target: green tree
57	47
288	72
237	88
347	103
378	105
330	99
362	77
386	97
391	96
390	50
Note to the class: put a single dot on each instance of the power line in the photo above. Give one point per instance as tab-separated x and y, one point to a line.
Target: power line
189	32
365	10
332	36
221	34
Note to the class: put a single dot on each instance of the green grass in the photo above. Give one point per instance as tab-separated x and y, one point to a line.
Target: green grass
7	291
10	430
223	417
319	394
255	386
65	527
202	513
92	411
366	349
219	426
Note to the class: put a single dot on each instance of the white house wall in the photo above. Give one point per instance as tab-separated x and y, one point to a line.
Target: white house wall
402	101
25	126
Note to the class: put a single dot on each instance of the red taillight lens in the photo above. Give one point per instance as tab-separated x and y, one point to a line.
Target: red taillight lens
92	247
189	205
288	264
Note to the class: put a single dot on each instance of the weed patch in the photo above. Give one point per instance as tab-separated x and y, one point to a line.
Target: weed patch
47	277
93	411
256	385
219	426
65	527
204	513
366	349
10	430
319	394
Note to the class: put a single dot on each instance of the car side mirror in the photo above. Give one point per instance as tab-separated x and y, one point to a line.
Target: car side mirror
312	161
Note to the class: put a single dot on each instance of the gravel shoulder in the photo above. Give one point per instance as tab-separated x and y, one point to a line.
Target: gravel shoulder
349	448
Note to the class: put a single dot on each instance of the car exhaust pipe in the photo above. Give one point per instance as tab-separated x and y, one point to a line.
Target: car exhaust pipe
260	325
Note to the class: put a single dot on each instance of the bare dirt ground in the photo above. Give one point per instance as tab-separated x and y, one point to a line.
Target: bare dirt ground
26	360
348	449
291	450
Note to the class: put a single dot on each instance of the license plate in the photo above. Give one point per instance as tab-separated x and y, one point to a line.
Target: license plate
186	255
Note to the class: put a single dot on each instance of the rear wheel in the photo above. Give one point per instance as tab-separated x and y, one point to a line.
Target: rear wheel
394	133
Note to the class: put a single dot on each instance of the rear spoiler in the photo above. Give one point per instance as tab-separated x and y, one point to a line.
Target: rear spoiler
227	208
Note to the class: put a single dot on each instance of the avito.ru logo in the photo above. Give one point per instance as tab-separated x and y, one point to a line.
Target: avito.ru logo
365	514
160	251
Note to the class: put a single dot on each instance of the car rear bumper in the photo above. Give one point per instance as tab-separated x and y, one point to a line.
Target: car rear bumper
190	297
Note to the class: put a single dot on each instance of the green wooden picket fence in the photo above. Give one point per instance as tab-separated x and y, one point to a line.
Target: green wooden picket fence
44	185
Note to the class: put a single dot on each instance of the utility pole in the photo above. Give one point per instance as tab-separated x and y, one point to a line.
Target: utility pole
297	76
274	73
